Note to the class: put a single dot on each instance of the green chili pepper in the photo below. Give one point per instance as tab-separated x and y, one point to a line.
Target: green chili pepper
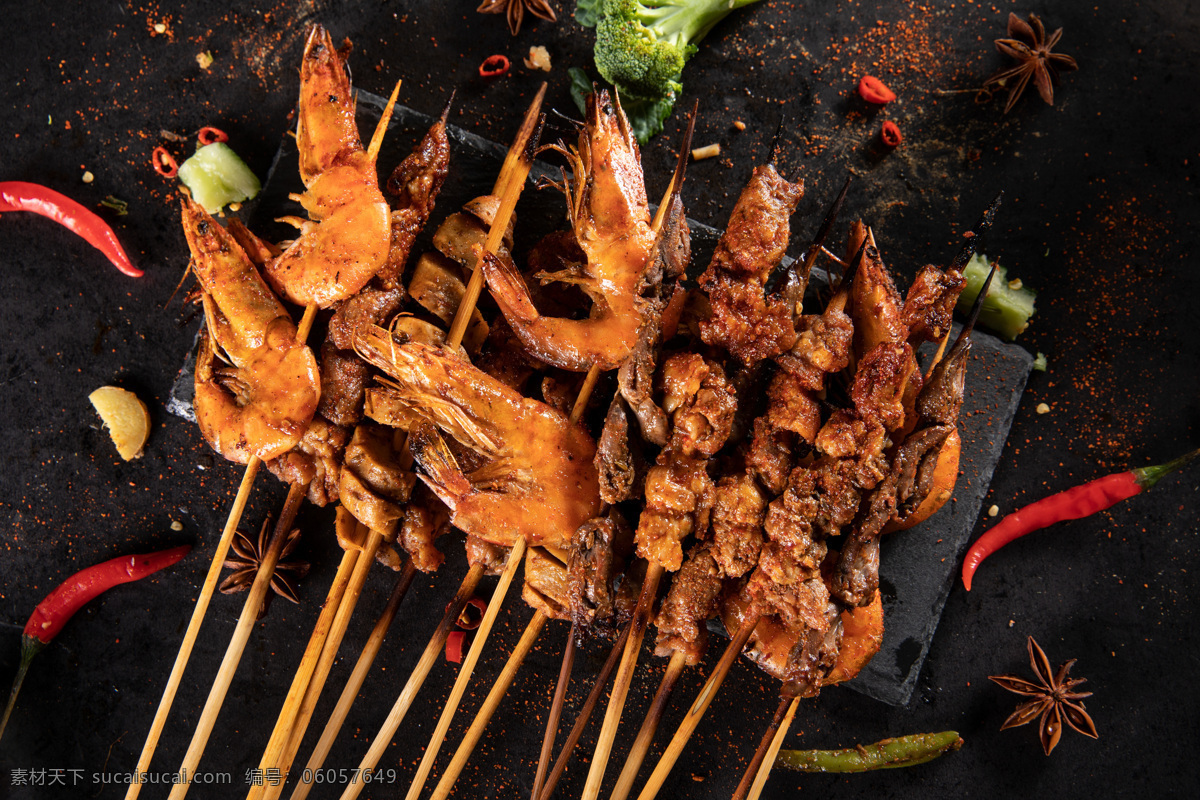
903	751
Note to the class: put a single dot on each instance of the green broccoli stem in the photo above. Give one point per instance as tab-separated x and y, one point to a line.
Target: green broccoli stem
903	751
684	22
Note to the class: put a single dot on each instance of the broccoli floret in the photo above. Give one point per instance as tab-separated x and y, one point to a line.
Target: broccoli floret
642	45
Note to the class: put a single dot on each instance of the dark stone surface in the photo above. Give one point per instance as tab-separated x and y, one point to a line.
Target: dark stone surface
1102	220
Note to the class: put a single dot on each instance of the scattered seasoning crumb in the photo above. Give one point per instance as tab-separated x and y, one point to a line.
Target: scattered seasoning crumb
1011	623
1042	408
176	525
741	126
538	58
1015	284
88	177
708	151
993	511
160	28
205	59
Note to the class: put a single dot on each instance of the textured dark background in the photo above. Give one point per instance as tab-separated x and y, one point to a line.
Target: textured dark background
1101	218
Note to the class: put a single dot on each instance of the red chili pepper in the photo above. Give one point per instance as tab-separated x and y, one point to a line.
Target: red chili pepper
22	196
211	135
164	162
73	594
468	620
890	133
454	646
873	90
494	66
1075	503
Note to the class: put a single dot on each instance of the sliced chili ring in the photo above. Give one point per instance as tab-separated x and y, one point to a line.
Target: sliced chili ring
472	614
454	646
890	133
210	135
164	162
494	66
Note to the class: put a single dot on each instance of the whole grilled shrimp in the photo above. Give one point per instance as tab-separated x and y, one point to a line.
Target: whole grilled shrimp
610	215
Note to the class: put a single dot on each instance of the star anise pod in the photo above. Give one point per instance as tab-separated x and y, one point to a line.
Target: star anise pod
1054	700
515	11
250	554
1027	43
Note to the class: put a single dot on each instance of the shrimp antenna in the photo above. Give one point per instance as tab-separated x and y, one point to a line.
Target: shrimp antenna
984	222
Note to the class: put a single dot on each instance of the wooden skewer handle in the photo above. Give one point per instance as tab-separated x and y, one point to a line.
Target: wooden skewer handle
616	700
308	663
641	745
699	706
490	704
764	771
357	677
589	705
416	679
515	557
333	642
237	643
764	747
560	695
193	628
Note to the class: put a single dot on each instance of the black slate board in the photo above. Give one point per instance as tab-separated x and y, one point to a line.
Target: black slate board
917	567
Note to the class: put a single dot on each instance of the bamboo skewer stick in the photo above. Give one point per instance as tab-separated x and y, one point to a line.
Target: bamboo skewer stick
205	597
556	706
237	643
764	758
357	677
641	744
293	735
416	679
699	706
620	690
589	705
513	174
515	556
308	662
490	703
193	628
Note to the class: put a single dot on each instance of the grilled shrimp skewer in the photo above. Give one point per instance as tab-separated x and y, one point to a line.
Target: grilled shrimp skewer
417	181
512	178
346	240
611	219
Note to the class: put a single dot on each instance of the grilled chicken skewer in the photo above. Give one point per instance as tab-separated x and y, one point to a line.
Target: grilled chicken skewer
693	598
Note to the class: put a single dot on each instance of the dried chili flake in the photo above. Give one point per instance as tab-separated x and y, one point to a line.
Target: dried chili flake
875	91
454	646
494	66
